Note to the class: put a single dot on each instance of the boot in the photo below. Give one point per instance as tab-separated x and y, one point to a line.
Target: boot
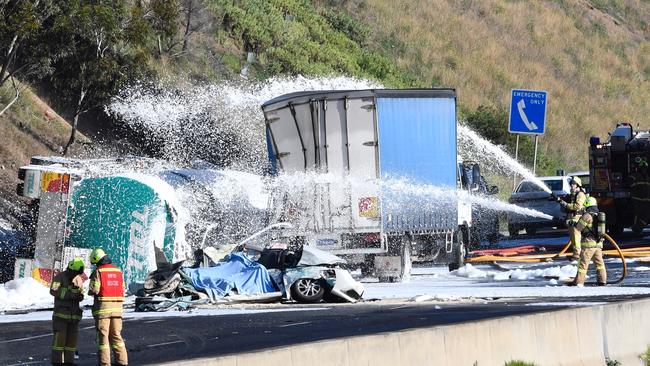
580	279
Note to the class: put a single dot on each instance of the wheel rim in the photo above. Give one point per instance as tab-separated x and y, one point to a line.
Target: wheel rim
308	287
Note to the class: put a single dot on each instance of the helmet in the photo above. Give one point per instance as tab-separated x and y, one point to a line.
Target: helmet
96	255
76	264
591	201
576	180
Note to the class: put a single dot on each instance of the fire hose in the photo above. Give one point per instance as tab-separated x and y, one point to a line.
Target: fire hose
536	258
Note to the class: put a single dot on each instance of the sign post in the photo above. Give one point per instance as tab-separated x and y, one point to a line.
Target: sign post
527	116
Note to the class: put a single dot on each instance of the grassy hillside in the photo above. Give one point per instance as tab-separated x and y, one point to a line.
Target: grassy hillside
593	58
30	127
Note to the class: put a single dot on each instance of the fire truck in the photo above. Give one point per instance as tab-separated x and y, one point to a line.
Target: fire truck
620	180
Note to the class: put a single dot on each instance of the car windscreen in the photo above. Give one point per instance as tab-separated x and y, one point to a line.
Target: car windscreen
526	186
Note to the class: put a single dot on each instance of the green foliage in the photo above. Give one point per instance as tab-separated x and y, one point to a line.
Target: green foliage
340	20
164	22
610	362
646	357
518	363
291	37
491	122
22	52
93	67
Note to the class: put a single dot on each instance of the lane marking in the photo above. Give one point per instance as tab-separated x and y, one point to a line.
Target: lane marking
400	307
28	363
164	344
38	336
153	321
27	338
292	324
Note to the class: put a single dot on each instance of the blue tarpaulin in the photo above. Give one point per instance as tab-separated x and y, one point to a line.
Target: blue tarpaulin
236	272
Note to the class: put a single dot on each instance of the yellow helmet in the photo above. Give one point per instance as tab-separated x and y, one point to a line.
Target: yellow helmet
96	255
576	180
591	201
76	264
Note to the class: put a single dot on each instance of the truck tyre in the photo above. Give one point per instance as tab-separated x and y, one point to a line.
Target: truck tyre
405	256
458	255
616	229
637	229
368	266
513	231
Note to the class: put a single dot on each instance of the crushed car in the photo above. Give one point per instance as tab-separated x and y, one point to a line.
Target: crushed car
257	269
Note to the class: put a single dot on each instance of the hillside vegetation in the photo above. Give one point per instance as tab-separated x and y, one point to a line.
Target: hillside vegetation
593	58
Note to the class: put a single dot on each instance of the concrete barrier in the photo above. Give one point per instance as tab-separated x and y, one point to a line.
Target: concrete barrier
579	336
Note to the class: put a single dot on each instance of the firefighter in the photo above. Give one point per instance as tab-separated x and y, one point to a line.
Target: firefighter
592	244
67	291
107	285
574	209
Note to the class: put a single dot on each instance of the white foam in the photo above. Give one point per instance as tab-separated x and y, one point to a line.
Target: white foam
24	293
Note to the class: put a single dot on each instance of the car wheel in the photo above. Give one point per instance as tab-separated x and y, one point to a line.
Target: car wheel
308	290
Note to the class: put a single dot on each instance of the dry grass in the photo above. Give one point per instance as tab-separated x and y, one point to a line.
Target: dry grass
595	66
25	132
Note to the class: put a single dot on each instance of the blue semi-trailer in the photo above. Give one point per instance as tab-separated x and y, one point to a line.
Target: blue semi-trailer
375	175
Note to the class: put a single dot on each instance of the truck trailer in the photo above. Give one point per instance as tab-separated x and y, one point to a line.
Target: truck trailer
379	172
619	176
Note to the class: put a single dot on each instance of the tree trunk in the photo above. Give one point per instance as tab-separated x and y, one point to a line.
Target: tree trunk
75	120
17	89
186	36
73	134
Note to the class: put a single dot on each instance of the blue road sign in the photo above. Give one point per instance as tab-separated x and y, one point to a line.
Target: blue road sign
527	111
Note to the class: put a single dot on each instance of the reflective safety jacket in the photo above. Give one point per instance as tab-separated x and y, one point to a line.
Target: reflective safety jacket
66	289
576	206
586	226
107	285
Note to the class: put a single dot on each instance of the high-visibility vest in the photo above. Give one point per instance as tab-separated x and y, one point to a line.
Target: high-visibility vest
112	283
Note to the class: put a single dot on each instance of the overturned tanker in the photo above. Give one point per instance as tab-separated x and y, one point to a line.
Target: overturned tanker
140	213
371	175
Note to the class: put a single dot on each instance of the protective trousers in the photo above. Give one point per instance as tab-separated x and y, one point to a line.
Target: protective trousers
109	336
576	237
64	343
586	256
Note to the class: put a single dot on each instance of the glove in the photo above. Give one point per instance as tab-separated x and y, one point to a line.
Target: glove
78	297
556	198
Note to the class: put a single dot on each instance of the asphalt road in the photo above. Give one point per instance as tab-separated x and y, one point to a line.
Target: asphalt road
154	340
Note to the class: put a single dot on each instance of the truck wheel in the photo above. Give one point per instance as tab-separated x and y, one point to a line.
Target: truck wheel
368	266
637	229
616	230
405	255
458	255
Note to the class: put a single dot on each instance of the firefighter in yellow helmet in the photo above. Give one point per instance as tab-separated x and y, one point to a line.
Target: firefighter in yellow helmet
107	285
592	244
574	208
67	288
